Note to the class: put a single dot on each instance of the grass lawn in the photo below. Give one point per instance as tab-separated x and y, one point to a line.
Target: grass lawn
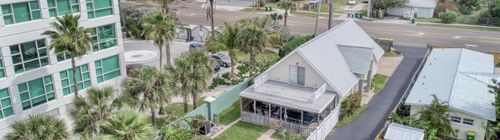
262	58
230	114
391	54
278	135
433	20
242	131
378	82
177	109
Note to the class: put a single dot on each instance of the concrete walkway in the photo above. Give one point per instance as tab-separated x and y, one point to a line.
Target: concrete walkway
369	123
225	127
267	135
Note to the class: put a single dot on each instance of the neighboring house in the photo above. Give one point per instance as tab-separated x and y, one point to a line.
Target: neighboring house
414	8
301	92
459	78
397	131
35	80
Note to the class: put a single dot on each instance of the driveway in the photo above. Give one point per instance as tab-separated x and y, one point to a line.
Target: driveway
369	123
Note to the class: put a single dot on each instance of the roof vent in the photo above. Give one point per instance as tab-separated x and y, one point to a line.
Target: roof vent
423	83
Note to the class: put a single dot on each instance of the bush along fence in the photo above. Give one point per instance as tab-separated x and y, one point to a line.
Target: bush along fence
221	103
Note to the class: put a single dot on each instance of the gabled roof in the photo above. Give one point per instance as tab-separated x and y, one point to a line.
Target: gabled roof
358	58
422	3
459	77
397	131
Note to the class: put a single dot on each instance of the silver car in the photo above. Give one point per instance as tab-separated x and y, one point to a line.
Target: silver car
223	59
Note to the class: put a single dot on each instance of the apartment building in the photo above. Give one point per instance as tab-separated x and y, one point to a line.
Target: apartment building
35	80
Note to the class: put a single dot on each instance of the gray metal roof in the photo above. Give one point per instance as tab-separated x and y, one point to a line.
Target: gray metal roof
289	95
358	58
422	3
401	132
459	77
324	55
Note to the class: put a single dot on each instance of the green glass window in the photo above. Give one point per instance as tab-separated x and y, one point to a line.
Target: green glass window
63	56
5	104
36	92
82	76
104	37
2	67
20	12
99	8
29	55
62	7
107	68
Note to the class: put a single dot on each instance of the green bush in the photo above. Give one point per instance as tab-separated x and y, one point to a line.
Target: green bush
448	16
293	44
216	82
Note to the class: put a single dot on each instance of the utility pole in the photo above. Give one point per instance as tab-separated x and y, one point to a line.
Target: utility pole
369	12
317	17
330	14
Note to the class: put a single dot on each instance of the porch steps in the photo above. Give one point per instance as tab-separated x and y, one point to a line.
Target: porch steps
267	135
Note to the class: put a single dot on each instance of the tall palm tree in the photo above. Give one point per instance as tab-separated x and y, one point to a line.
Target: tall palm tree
128	124
70	37
38	127
89	112
252	39
226	40
210	11
160	27
193	70
144	90
288	6
165	5
437	117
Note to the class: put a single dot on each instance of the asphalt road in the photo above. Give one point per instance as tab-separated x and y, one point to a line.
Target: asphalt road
370	122
192	13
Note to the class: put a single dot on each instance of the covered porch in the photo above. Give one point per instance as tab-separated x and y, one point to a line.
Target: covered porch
287	107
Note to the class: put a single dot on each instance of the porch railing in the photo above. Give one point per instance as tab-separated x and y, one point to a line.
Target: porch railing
303	130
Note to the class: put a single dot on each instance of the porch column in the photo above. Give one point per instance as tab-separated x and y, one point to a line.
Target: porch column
269	113
281	112
241	106
302	117
254	107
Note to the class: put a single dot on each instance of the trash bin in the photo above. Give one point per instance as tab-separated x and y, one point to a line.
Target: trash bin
471	135
267	9
413	21
270	8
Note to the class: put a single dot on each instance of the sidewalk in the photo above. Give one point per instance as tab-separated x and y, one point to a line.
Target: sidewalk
267	135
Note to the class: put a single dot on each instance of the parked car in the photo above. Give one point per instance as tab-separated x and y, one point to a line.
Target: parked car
351	2
366	1
223	59
195	46
215	65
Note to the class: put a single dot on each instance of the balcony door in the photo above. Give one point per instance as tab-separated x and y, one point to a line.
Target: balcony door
297	75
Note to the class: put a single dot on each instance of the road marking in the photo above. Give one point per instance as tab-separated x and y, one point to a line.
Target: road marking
457	37
421	34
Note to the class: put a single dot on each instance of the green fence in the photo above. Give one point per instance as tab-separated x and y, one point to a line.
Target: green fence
222	102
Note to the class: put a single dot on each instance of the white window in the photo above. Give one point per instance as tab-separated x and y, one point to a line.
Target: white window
456	119
468	121
297	75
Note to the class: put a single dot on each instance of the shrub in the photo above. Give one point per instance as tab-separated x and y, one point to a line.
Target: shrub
448	16
244	69
293	44
216	82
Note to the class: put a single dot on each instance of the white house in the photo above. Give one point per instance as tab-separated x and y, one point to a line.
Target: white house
459	78
301	92
414	8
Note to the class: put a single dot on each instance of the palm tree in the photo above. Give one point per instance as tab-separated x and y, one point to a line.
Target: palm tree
145	90
38	127
70	37
160	27
288	6
252	39
165	5
226	41
437	117
91	111
210	11
127	124
193	70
